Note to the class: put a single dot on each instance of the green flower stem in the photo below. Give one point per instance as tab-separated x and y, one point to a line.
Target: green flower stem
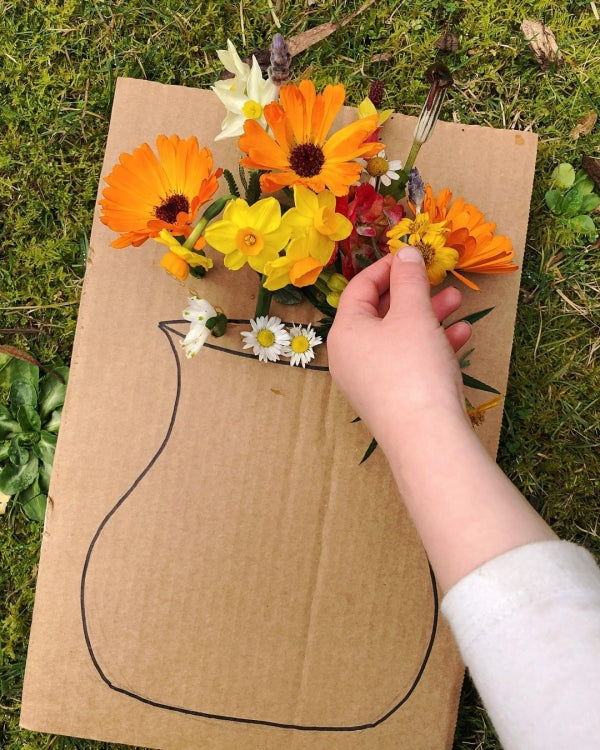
211	212
263	301
197	231
412	156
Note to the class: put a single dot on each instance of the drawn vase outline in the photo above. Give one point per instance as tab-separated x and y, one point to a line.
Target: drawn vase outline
213	625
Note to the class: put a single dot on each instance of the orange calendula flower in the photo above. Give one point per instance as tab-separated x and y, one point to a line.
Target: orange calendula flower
479	249
147	193
299	152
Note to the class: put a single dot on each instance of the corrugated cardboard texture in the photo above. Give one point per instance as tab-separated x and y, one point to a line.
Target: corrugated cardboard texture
218	571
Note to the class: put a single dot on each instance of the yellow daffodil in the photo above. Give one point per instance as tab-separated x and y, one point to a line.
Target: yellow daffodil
430	239
249	234
297	267
314	217
366	108
178	260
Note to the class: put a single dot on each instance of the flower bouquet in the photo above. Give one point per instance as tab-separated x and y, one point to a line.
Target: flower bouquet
320	204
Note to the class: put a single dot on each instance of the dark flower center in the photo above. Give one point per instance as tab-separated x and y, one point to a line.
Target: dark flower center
307	159
171	207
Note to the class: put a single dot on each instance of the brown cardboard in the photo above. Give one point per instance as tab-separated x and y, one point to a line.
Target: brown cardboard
218	571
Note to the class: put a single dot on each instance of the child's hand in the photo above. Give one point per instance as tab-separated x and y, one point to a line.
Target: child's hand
388	352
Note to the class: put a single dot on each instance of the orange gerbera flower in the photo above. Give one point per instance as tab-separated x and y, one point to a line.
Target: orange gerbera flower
299	152
479	249
147	193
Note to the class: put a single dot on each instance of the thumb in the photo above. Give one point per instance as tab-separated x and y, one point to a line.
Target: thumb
409	283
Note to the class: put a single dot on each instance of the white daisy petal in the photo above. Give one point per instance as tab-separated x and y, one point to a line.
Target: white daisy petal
268	338
303	340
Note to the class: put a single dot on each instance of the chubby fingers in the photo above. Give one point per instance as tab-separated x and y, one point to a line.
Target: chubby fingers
363	294
446	302
458	334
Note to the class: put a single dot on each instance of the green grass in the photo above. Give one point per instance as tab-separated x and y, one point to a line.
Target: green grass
59	65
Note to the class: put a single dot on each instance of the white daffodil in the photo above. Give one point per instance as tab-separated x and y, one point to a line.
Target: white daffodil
268	338
233	63
198	313
302	343
247	104
379	168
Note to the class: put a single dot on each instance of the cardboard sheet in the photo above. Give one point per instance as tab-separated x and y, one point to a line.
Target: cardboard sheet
218	570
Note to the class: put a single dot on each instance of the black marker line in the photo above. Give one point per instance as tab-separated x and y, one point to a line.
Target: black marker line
166	329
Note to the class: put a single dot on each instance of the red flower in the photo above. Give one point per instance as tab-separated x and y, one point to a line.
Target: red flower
372	215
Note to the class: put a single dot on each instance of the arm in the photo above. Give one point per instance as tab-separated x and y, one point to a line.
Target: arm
464	508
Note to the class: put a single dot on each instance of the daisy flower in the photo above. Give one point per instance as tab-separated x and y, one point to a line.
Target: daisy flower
299	151
380	169
268	338
199	312
302	343
147	193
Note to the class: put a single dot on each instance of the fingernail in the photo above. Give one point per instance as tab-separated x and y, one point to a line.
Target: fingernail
409	254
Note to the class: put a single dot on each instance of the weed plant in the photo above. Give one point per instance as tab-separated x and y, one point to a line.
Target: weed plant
59	63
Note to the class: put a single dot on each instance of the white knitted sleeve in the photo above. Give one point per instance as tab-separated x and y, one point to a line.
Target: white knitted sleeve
528	626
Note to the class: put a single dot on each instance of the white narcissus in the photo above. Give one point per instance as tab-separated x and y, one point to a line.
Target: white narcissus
245	103
198	313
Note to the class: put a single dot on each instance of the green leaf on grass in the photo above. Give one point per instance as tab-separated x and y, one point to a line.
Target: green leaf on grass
563	176
53	388
14	479
582	224
33	501
553	200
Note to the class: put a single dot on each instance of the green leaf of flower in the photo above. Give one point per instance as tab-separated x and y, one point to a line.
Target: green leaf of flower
44	476
22	393
18	454
14	479
289	295
553	200
571	203
8	425
45	447
590	202
20	371
583	225
4	450
28	418
52	390
479	385
53	423
563	176
33	501
584	183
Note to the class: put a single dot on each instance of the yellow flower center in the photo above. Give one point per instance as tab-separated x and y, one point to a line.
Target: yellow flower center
427	251
249	241
299	344
265	338
252	110
377	166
